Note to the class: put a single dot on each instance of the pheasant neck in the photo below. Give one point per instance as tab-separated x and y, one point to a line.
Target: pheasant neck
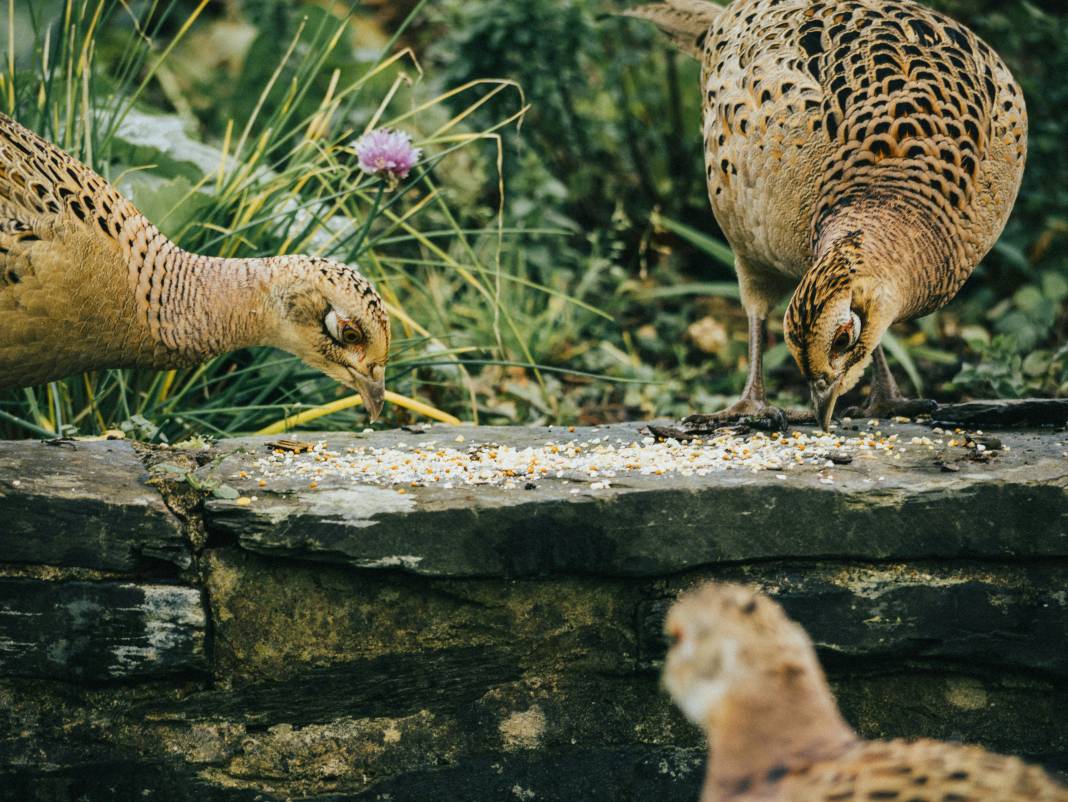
902	251
771	724
197	307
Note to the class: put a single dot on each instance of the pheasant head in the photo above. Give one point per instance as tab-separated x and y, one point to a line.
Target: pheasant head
836	319
725	638
330	316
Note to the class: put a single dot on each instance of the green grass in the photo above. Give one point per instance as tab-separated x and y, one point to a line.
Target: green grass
286	181
567	270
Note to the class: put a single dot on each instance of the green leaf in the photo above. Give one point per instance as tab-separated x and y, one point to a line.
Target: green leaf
169	467
170	204
713	247
1030	299
716	289
195	443
225	492
776	356
1013	255
160	140
935	355
975	336
897	350
1055	287
1037	364
1023	328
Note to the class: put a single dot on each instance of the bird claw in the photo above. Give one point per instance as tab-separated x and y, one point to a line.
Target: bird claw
730	421
763	417
62	442
771	419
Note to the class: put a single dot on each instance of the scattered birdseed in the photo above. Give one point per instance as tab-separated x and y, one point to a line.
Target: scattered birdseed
598	461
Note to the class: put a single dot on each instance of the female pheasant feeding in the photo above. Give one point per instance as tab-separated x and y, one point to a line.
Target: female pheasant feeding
864	154
748	675
87	282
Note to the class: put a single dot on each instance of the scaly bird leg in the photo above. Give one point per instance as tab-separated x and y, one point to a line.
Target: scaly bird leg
752	408
886	400
754	400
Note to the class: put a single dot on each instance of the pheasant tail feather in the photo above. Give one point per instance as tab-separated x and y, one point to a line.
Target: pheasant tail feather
686	22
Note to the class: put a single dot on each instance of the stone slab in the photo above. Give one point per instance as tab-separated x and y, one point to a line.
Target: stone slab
608	775
393	685
566	775
1000	617
83	504
1015	506
1010	412
336	684
358	643
100	630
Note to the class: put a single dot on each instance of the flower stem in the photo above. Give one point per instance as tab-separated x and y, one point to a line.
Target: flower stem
358	246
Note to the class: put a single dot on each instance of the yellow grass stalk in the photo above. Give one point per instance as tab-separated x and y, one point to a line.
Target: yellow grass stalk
323	410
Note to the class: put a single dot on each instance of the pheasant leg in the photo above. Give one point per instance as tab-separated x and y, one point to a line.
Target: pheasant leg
752	408
886	400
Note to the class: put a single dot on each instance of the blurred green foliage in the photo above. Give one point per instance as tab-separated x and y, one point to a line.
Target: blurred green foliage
607	293
271	169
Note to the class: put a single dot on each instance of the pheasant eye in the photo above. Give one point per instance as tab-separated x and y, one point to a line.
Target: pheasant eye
352	335
674	636
847	336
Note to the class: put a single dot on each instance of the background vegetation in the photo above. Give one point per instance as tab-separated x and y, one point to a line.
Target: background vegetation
598	290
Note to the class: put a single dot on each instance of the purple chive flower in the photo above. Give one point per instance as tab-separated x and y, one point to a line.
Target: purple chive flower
387	153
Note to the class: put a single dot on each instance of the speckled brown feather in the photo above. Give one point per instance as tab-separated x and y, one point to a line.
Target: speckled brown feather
824	118
87	282
909	771
747	673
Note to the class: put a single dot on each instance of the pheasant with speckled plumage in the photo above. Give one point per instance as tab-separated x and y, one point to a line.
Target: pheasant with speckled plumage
861	154
87	282
743	671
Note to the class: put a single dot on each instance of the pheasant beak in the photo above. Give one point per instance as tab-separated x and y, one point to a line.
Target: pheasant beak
373	393
824	396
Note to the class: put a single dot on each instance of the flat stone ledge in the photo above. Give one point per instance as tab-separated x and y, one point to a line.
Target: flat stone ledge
100	630
1014	506
1011	412
967	613
602	775
83	504
505	644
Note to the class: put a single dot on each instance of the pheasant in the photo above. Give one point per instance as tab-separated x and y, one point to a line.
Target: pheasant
864	154
747	674
87	282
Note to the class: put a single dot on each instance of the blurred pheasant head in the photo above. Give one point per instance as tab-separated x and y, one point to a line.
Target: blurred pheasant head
330	316
728	640
836	319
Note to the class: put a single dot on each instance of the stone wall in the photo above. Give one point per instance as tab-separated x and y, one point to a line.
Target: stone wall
161	639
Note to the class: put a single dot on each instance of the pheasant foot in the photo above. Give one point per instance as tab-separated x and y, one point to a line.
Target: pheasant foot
886	400
747	415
